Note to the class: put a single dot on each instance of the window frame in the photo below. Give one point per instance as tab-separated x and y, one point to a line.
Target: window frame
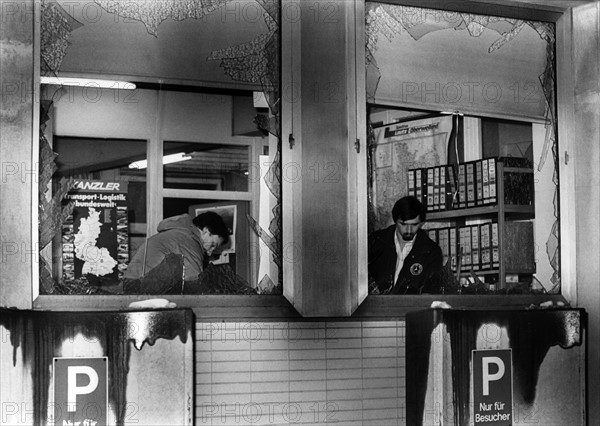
381	307
155	191
560	17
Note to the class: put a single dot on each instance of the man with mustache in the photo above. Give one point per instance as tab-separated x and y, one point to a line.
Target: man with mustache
402	258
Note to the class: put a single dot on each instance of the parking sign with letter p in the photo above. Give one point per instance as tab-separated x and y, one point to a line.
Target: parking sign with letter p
492	387
80	391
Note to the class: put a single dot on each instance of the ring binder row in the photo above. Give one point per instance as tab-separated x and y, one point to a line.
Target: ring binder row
472	184
476	244
479	248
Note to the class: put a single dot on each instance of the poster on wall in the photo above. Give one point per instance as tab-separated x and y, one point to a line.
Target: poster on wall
94	237
399	147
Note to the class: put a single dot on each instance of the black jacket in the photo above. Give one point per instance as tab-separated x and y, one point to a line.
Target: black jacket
421	271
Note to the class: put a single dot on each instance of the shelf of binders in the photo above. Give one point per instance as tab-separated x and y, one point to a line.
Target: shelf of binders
480	186
487	247
512	251
517	210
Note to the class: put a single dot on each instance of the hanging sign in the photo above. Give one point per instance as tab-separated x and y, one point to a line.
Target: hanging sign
492	387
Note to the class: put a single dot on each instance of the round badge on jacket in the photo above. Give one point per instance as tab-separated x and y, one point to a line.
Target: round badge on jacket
416	269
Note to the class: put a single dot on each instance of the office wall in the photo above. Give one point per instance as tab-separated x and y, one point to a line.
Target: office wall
142	114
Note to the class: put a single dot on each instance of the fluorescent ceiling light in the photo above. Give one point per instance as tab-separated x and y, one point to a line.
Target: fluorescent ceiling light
167	159
452	113
88	82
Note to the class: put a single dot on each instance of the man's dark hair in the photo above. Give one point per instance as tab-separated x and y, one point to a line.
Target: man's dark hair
214	223
407	208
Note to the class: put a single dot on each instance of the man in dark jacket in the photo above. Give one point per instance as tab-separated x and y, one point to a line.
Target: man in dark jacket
402	258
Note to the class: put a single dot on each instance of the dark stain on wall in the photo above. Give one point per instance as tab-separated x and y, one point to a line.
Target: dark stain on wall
40	335
530	333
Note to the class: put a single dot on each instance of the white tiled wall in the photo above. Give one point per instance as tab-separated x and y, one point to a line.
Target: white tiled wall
256	373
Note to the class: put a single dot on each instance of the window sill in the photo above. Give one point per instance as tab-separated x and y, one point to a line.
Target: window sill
277	308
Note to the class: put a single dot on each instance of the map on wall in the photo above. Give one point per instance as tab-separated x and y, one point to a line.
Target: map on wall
96	260
398	148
